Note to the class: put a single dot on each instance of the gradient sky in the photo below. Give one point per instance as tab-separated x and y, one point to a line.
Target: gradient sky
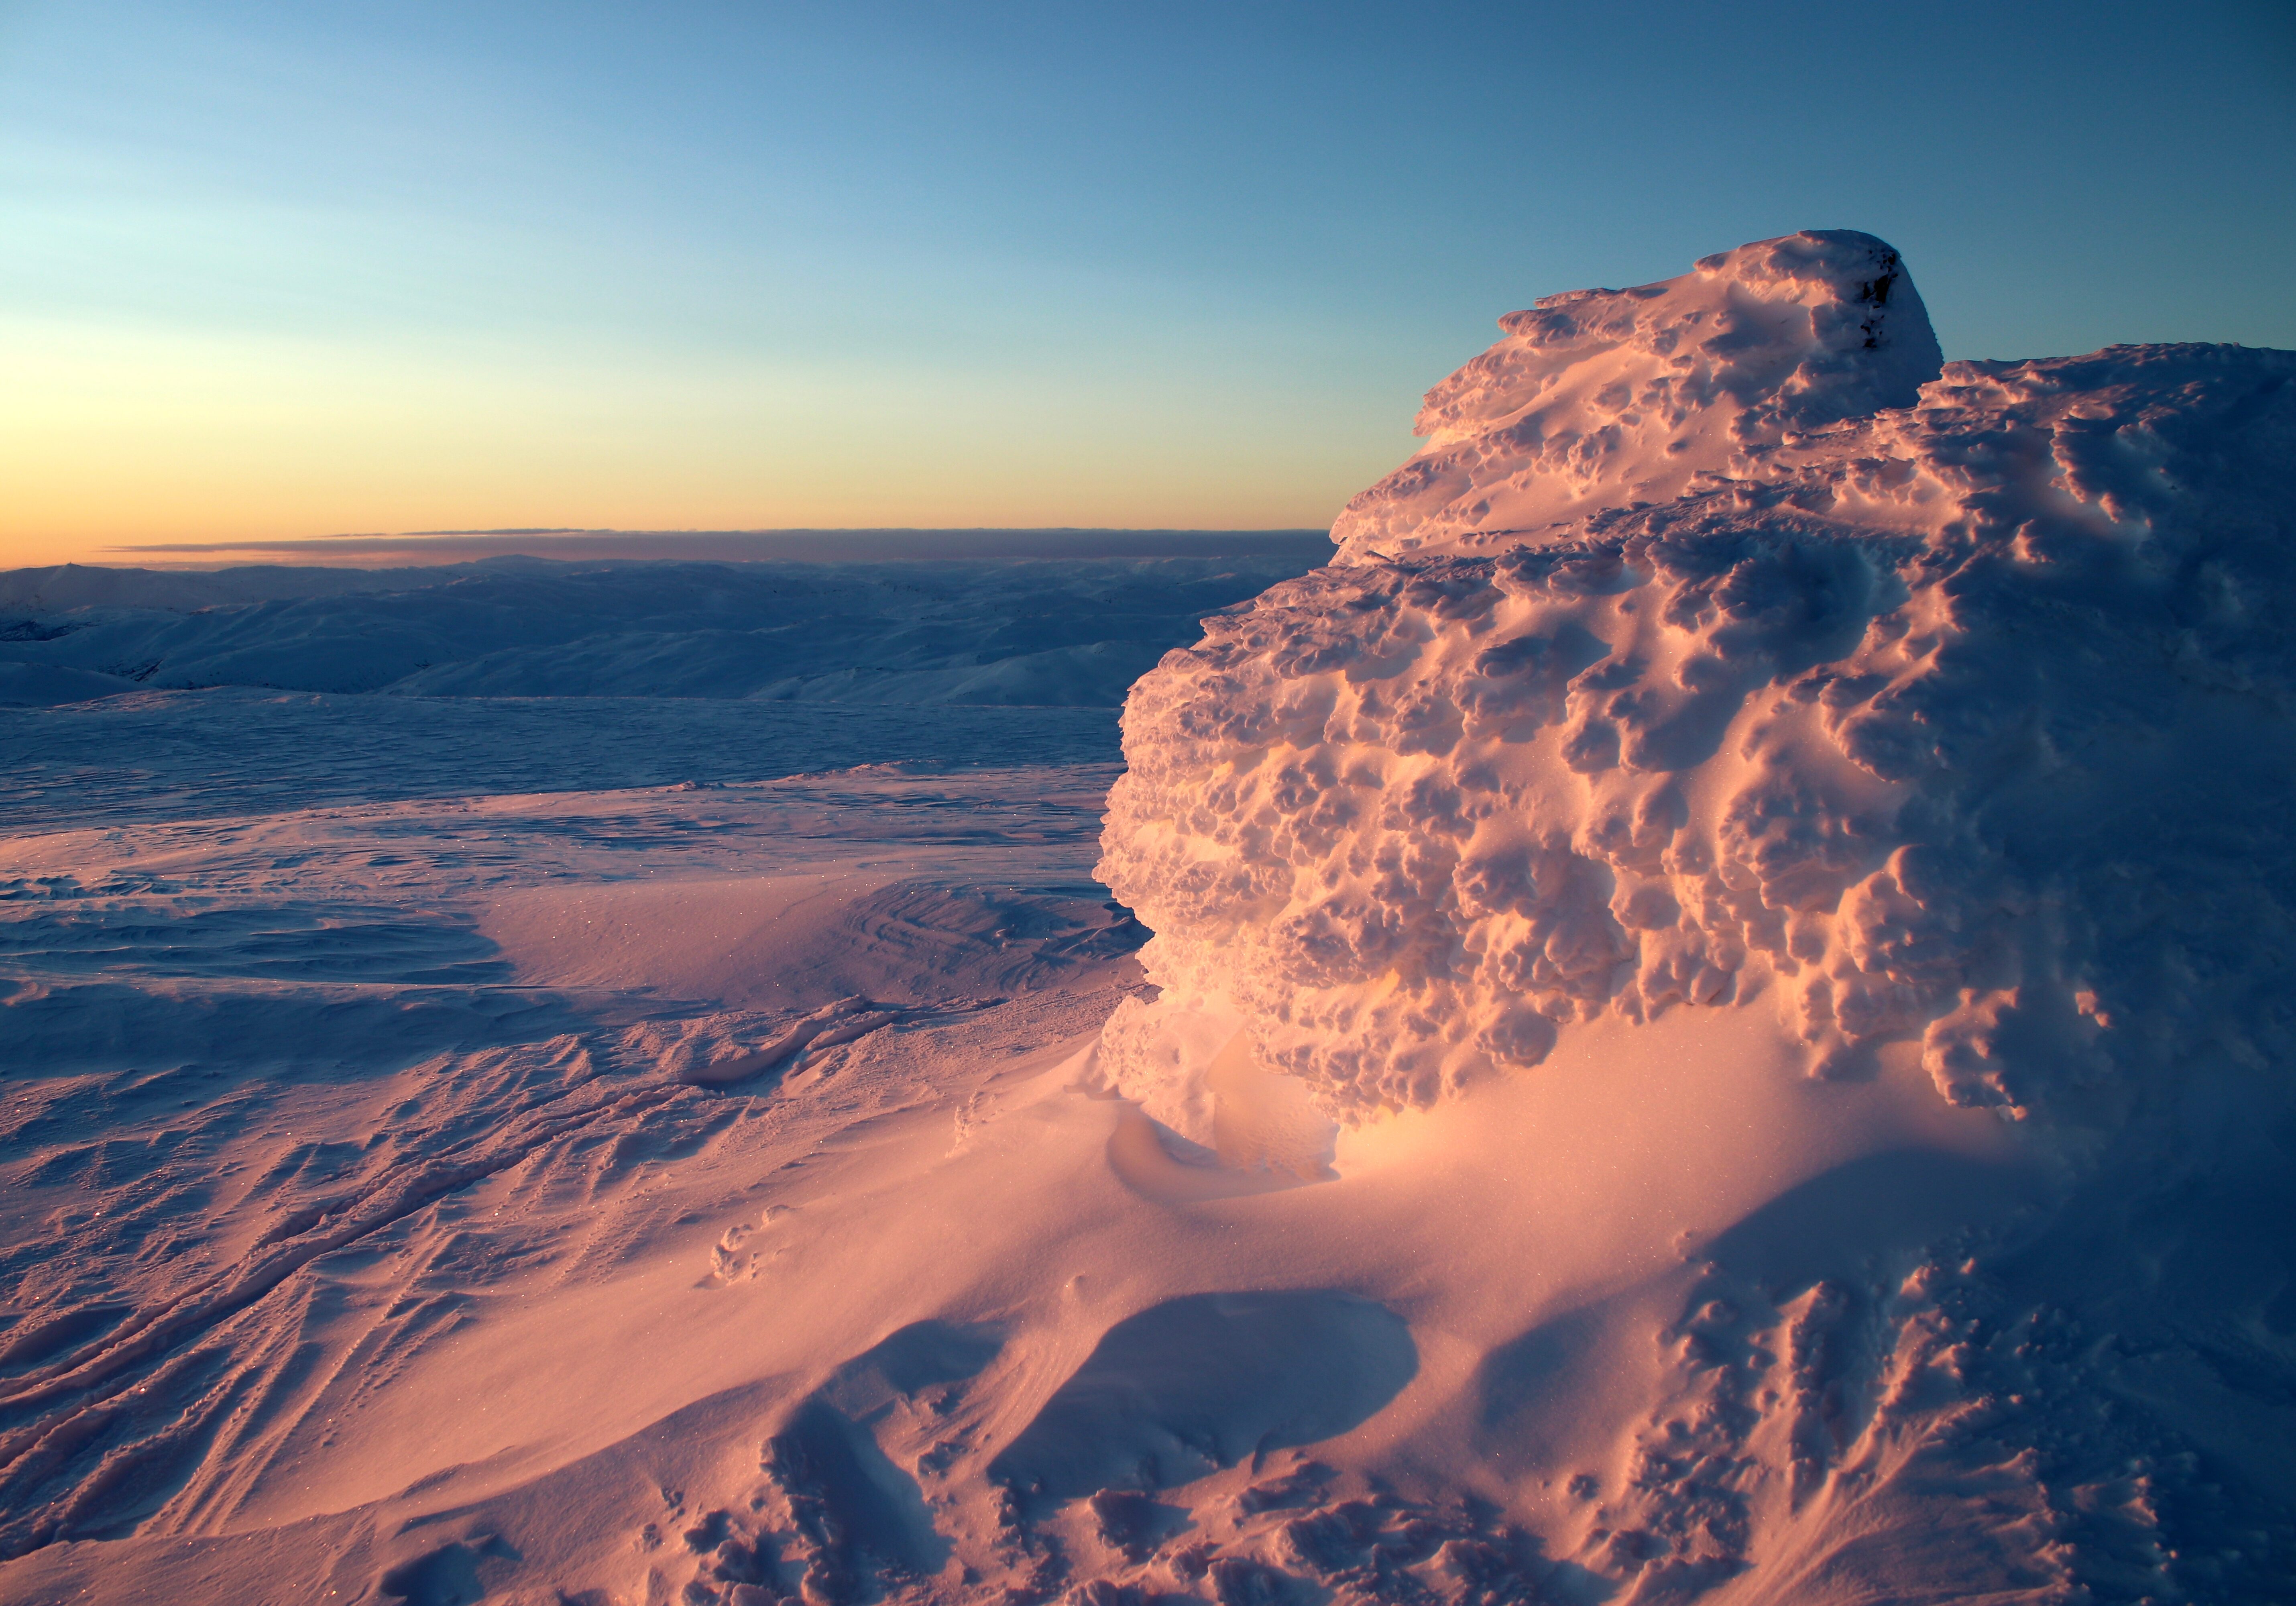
273	270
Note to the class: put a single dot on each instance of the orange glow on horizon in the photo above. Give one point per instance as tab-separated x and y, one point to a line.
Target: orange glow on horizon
117	439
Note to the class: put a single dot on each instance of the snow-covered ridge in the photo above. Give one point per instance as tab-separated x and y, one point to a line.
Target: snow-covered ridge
1071	633
1963	725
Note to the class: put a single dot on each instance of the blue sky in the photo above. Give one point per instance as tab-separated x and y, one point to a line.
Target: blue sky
270	270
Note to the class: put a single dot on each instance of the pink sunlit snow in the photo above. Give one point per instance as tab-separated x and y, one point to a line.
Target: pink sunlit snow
1701	1014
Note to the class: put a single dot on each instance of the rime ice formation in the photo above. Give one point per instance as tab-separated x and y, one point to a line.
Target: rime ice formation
1720	649
1605	399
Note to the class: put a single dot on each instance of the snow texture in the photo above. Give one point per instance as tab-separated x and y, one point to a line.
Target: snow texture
1719	647
1608	399
711	1140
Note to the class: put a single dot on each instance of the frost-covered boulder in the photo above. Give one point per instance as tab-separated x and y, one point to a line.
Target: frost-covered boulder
1604	399
1720	650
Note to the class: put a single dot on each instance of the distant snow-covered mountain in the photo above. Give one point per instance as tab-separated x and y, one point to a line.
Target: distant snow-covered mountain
1048	632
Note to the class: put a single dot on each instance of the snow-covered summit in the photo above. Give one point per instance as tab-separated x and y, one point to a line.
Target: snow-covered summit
1600	399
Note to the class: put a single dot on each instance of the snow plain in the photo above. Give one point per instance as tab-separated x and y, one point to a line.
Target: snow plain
1705	1020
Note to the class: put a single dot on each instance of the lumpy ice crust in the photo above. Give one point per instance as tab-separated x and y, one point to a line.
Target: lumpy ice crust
1611	398
1929	707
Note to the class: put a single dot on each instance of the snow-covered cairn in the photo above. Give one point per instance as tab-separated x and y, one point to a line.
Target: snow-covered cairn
1718	647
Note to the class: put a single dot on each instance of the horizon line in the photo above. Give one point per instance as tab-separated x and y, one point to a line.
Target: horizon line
797	544
340	540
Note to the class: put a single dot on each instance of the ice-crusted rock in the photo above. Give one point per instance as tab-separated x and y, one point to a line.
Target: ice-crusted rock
1960	718
1613	398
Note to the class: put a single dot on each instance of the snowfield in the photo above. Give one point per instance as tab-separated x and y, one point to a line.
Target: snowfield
1703	1013
1060	633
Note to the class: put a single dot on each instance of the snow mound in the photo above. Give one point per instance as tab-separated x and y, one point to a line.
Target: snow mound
1209	1381
1613	398
1957	720
45	686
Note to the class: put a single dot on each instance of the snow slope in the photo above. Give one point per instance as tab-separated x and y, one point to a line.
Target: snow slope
192	755
1714	1029
1071	633
301	1103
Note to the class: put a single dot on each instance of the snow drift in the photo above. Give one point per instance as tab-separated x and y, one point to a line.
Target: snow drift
1720	649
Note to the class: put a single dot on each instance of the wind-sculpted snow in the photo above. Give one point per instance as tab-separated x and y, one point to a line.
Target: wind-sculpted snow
542	1149
1600	399
1962	724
